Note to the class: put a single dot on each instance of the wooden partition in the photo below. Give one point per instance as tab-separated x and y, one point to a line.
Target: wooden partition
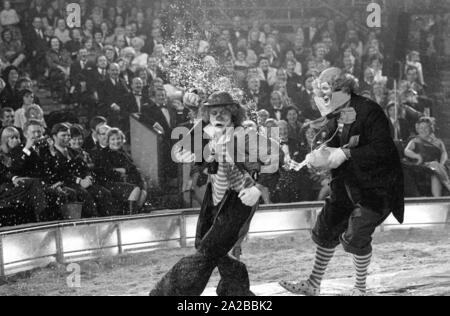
146	150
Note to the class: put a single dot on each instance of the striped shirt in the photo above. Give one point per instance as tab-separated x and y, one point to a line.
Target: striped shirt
228	177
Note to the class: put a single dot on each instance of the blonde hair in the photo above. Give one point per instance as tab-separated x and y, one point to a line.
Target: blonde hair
6	134
116	131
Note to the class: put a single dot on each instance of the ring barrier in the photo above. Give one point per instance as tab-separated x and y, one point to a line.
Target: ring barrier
29	247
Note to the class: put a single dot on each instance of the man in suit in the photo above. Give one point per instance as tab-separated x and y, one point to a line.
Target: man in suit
135	99
237	32
6	118
133	102
111	94
255	94
294	83
367	178
311	32
89	80
37	48
77	71
33	160
91	142
162	117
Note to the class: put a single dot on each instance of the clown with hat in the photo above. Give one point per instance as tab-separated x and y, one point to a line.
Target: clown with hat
367	179
234	162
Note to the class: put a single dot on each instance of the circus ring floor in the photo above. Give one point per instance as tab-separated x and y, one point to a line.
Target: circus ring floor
411	260
406	263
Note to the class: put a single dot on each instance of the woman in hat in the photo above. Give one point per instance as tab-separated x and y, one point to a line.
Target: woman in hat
232	196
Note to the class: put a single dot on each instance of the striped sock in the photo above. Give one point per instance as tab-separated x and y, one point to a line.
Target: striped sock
323	258
362	264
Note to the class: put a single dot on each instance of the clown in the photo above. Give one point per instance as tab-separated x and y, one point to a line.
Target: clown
367	179
231	198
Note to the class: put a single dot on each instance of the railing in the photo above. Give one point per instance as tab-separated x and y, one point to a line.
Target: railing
28	247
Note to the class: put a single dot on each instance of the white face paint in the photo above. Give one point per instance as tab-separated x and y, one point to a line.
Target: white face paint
326	100
220	119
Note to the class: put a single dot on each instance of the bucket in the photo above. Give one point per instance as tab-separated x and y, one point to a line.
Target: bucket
72	211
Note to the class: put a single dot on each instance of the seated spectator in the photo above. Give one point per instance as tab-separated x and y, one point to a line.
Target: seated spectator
368	81
61	32
399	126
320	63
98	41
413	60
270	54
291	116
376	65
71	168
93	54
414	110
256	94
263	116
241	63
25	83
143	74
412	80
35	112
22	200
294	82
111	95
277	106
110	54
267	73
6	118
429	151
12	52
27	98
121	176
91	142
349	65
58	61
75	44
141	59
8	16
36	48
8	97
154	69
33	160
290	57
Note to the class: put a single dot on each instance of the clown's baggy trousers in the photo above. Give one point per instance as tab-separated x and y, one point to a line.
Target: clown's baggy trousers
218	230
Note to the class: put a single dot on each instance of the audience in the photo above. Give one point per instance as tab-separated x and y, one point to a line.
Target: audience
134	57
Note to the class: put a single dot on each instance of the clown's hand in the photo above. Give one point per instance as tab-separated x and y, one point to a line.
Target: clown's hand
250	196
337	158
319	159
